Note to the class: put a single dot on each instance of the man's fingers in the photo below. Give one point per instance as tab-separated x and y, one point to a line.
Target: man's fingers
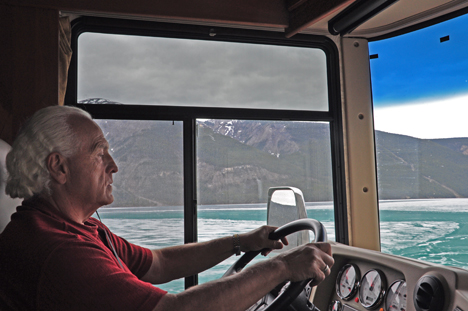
326	270
266	252
278	245
325	247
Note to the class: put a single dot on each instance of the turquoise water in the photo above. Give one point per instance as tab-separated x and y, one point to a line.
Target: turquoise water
432	230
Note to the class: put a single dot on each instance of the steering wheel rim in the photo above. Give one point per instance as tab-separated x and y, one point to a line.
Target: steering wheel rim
295	288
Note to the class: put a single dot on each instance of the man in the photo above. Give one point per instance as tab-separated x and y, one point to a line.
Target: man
54	256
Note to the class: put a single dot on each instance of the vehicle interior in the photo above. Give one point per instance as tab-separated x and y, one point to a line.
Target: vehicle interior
51	55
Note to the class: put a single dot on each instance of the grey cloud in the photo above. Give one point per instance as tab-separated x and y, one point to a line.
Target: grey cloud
139	70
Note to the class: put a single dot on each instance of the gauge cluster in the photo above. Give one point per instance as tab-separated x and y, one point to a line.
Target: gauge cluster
363	280
370	291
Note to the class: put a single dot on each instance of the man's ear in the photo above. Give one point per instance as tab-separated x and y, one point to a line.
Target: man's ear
57	167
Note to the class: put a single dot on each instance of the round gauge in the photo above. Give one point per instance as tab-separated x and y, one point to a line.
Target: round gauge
372	289
396	297
347	281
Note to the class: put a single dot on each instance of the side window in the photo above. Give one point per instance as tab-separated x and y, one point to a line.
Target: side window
420	94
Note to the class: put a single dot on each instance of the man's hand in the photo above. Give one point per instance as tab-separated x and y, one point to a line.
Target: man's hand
241	290
309	261
257	239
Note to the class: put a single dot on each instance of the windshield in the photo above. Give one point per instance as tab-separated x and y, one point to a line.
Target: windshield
236	160
420	94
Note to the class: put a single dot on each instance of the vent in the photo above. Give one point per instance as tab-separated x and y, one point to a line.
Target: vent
429	294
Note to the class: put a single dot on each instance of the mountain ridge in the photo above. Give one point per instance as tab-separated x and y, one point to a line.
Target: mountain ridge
239	160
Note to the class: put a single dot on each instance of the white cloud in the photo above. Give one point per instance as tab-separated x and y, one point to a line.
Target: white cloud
443	118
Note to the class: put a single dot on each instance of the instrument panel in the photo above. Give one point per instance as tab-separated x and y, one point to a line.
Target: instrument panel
362	280
370	290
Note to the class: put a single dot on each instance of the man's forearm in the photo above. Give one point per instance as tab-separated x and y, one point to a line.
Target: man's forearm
180	261
241	290
236	292
189	259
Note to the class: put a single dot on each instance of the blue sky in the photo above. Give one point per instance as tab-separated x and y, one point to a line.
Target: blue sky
416	66
420	85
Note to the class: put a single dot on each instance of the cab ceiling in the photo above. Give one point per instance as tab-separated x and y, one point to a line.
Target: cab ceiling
290	16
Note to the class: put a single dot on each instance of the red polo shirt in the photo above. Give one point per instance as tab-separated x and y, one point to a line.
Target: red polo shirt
48	262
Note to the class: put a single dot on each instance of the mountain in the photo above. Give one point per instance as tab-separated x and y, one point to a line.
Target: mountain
149	155
237	161
412	168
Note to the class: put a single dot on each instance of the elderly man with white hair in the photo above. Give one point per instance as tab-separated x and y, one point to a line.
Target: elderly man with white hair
55	256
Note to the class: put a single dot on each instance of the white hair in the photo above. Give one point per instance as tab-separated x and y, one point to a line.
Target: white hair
47	131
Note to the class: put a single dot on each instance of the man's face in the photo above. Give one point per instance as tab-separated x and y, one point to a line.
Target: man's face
91	168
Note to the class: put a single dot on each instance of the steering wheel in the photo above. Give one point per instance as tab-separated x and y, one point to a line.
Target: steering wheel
286	297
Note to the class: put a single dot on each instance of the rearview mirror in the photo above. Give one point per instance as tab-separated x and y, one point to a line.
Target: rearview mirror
286	204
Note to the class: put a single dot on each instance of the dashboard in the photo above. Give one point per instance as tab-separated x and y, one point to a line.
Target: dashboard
363	280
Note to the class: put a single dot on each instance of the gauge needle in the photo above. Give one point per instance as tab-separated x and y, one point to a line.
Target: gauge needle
371	288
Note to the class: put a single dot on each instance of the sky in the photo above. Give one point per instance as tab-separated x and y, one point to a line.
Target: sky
440	118
165	71
419	84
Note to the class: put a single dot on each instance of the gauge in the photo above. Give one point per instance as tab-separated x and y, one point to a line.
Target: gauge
396	297
335	306
372	289
347	281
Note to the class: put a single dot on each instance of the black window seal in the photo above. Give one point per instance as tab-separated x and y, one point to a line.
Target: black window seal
425	24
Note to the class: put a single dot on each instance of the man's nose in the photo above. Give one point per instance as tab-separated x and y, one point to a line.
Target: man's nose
112	166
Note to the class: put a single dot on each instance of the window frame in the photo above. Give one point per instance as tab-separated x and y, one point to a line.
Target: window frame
188	115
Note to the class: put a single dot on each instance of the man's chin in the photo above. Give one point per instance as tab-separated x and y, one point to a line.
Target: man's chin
111	200
108	200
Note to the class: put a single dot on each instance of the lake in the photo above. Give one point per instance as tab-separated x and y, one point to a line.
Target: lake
434	230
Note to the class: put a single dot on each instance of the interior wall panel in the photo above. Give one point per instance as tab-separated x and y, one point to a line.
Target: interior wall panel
29	64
